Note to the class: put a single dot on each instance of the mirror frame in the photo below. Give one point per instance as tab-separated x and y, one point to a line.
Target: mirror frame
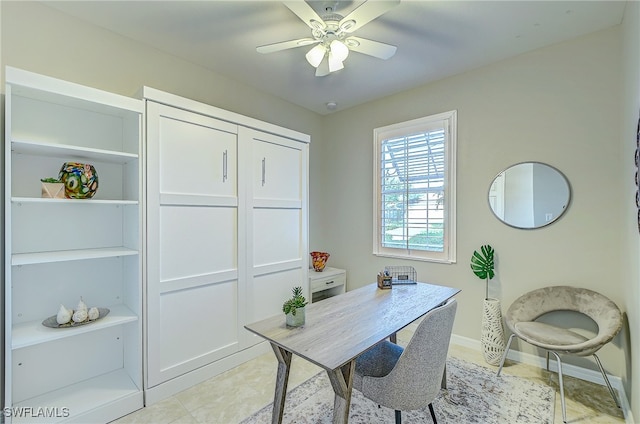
557	217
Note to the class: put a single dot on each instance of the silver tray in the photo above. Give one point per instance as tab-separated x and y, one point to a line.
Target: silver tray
52	322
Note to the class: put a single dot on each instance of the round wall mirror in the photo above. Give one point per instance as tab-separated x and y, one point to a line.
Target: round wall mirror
529	195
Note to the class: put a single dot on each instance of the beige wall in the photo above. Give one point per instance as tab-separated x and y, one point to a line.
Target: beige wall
562	105
565	105
631	242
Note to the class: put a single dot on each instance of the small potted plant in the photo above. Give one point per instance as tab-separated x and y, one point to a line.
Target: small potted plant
52	188
294	308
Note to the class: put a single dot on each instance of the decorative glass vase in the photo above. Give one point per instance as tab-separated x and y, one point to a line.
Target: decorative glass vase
80	180
296	320
492	339
319	260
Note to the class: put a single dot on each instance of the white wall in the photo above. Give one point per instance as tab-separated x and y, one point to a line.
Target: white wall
560	105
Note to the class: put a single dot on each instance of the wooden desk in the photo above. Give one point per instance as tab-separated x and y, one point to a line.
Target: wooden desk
339	329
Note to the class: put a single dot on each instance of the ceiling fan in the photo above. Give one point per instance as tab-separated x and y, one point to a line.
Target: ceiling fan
332	35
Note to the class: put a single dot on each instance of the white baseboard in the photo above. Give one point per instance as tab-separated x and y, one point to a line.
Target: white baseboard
567	369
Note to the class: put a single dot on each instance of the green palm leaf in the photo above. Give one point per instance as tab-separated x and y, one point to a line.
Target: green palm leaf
482	264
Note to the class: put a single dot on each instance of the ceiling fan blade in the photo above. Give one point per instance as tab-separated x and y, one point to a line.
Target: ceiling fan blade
371	48
276	47
365	13
307	14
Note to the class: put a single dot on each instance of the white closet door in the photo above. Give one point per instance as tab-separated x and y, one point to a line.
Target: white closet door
192	289
277	222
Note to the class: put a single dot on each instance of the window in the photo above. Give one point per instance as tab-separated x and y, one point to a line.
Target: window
414	189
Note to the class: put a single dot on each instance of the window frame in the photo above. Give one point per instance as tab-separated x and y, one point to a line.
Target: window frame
448	255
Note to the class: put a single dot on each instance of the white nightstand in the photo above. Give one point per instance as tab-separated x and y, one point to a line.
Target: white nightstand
329	282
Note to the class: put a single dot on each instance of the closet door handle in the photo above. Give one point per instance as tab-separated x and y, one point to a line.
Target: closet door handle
224	166
264	170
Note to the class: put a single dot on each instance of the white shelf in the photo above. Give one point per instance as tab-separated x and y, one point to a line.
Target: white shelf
73	201
85	396
32	333
69	255
29	84
39	148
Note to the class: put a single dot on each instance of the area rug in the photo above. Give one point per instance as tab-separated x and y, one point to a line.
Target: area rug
474	395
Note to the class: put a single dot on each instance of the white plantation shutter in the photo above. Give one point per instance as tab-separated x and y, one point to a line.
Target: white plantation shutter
414	186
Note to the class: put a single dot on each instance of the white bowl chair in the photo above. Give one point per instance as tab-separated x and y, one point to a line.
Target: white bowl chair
523	312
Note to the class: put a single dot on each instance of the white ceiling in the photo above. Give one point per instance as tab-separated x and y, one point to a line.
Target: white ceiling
435	39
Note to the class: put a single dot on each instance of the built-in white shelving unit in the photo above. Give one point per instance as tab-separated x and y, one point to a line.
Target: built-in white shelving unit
58	250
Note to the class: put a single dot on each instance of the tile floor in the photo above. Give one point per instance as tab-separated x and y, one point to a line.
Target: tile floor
236	394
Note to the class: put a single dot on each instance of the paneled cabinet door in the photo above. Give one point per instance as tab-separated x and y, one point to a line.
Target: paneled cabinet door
277	222
198	154
192	296
277	169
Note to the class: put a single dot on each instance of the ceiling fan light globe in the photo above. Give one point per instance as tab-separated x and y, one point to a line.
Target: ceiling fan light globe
315	55
334	63
323	69
339	50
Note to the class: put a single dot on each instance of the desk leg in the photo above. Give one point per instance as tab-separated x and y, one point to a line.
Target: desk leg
342	382
284	365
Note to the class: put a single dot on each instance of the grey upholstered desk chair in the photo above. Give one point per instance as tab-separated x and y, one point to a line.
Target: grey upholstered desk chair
521	320
409	378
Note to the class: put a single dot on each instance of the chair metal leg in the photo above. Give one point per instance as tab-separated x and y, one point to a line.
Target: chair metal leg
547	360
564	408
606	380
504	355
443	383
398	417
433	414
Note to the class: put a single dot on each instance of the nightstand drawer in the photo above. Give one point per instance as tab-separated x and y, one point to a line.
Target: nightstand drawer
328	282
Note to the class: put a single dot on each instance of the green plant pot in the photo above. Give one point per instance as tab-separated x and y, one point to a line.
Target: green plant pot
296	320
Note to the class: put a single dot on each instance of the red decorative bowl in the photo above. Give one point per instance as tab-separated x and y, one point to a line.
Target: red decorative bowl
319	260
